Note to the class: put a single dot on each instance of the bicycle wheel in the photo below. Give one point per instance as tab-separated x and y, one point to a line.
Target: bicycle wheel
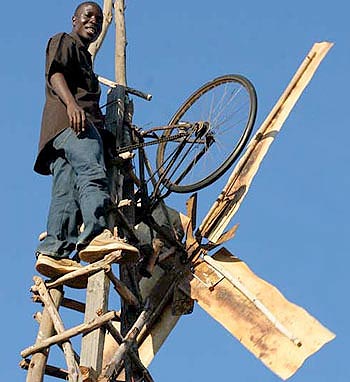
226	107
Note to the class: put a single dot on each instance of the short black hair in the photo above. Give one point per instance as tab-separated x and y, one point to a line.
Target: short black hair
77	9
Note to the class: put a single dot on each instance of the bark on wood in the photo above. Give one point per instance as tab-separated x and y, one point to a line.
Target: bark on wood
191	209
52	371
239	182
131	336
98	322
150	261
128	90
119	340
123	290
128	274
73	305
107	19
159	289
87	270
120	56
73	370
37	364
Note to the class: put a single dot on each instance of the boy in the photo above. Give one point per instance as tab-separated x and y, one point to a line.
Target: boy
71	149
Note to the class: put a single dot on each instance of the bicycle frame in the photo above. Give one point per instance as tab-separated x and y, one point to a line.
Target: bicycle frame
148	200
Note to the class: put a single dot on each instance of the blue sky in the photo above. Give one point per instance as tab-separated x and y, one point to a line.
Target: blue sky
294	220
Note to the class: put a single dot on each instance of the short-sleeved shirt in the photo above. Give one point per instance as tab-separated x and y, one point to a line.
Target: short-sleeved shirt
66	54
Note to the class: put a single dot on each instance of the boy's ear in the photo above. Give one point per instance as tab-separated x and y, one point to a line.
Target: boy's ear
74	19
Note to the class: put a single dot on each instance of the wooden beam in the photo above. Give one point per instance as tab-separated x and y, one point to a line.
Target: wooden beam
230	199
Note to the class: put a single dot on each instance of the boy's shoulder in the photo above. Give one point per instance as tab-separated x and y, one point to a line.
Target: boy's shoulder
62	35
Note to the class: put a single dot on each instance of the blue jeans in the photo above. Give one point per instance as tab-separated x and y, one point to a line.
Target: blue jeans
79	193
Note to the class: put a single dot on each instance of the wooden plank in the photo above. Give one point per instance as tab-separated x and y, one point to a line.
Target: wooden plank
281	334
96	305
230	199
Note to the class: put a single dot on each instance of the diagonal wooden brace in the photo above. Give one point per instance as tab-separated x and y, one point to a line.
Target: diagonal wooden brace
134	357
87	270
125	346
67	334
122	289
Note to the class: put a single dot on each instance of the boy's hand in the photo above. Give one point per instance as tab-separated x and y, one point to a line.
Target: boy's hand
76	114
77	117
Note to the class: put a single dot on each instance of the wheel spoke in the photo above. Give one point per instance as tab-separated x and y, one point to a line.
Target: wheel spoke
228	105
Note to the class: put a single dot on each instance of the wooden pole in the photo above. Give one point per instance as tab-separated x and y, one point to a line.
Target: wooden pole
96	305
86	327
120	42
107	19
74	374
128	274
52	371
36	368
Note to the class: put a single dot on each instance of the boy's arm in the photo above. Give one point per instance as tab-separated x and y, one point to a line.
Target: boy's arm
76	114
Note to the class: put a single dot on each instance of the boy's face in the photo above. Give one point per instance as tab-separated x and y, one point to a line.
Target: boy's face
87	23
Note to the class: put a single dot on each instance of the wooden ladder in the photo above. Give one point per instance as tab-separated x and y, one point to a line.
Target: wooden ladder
97	318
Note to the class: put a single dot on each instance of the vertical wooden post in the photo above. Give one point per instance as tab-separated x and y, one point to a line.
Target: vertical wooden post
98	284
37	364
124	113
120	42
96	304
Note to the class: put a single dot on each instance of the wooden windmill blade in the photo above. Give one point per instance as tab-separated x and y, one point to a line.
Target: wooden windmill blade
279	333
284	334
232	196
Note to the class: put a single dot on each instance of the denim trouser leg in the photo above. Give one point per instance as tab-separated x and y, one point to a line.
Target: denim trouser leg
83	155
64	214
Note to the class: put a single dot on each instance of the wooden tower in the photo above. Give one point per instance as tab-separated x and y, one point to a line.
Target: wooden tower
119	345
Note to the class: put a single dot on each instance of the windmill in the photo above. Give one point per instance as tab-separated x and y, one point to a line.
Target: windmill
281	334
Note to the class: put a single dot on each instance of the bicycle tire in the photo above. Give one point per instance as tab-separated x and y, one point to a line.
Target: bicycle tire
216	122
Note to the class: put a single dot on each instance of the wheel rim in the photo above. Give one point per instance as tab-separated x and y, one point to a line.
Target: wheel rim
228	104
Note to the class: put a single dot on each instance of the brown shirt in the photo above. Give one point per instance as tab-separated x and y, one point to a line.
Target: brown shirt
66	54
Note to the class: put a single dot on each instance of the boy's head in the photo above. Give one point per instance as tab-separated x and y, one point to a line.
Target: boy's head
87	21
